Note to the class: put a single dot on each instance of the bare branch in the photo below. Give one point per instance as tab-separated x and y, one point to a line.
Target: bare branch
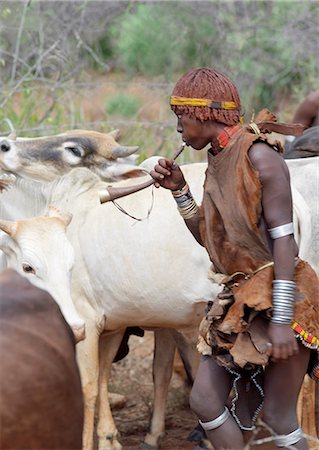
18	41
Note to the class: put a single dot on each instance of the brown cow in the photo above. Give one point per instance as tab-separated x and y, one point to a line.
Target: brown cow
40	389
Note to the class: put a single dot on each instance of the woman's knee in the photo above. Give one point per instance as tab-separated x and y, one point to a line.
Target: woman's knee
205	405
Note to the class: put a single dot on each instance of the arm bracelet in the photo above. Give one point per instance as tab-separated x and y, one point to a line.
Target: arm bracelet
186	204
281	231
283	300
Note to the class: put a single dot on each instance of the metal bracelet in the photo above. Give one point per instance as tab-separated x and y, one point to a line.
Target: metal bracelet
180	192
186	205
189	211
281	230
283	299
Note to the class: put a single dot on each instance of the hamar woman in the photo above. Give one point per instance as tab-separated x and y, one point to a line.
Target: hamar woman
261	333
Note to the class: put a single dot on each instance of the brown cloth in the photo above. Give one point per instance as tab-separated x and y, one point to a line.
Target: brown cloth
235	327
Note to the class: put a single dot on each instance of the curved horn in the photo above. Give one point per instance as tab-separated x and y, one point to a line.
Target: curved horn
114	133
13	136
122	152
112	193
55	212
8	227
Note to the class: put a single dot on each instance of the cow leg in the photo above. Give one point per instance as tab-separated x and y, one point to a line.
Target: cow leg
186	345
164	350
106	429
88	361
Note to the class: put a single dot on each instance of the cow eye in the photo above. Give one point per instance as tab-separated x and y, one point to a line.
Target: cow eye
27	268
75	151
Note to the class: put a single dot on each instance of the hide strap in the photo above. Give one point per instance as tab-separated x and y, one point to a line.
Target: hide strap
266	122
221	278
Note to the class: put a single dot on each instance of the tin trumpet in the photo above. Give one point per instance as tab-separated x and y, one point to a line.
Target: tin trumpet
112	193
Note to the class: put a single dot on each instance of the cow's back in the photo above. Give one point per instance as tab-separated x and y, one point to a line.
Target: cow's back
40	388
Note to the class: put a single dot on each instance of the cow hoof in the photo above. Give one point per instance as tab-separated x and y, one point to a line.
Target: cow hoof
145	446
111	443
204	445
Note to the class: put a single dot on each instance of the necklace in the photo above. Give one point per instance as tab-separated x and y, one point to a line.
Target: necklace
224	138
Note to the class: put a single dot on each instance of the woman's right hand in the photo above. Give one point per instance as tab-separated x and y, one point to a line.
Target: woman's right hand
168	174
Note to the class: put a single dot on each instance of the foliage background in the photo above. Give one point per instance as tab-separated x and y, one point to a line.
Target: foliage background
106	64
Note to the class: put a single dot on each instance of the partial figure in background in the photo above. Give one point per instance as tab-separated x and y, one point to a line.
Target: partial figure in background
307	114
264	326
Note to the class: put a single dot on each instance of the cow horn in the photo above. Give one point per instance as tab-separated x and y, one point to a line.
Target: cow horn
8	227
115	134
13	136
112	193
122	152
55	212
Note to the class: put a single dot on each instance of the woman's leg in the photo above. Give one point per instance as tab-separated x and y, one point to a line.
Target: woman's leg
208	399
283	381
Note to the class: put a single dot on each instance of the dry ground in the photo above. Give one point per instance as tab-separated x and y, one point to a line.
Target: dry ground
132	376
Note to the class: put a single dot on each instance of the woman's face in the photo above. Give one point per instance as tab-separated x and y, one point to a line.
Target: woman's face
195	133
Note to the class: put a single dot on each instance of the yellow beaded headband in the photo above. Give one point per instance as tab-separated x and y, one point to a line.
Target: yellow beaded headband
185	101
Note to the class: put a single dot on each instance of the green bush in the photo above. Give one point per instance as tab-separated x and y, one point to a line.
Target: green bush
146	41
122	105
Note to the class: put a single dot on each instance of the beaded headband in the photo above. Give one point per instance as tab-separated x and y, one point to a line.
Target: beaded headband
183	101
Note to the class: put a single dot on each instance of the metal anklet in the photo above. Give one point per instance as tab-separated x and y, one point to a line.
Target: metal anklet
288	439
215	423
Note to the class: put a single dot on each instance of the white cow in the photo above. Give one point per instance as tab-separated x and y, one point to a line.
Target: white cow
48	157
40	250
99	152
304	173
124	301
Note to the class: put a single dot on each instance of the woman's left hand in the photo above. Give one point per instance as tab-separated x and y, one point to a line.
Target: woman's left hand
284	343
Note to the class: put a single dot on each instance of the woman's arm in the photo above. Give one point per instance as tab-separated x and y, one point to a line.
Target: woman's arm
277	211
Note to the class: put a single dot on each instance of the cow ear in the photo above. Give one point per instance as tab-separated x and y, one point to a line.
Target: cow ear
115	134
64	217
118	171
8	227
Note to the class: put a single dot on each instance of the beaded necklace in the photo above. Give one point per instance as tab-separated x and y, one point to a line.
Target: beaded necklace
223	139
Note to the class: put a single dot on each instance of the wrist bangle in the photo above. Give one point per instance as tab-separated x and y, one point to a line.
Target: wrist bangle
283	299
180	192
186	205
189	211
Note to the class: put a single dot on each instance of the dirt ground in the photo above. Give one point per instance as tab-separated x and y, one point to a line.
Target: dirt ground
132	377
